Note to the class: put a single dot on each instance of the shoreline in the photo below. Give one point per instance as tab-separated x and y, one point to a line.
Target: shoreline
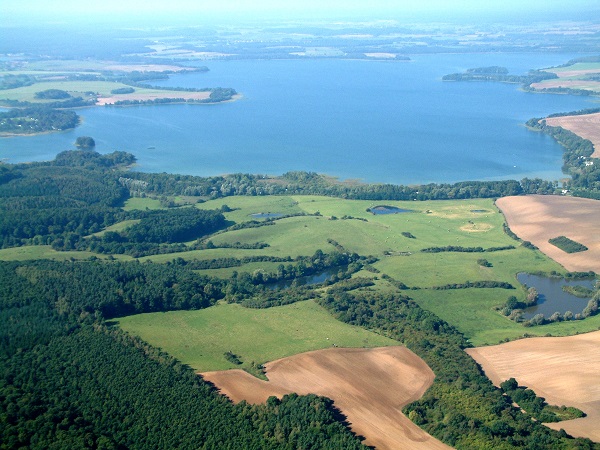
9	134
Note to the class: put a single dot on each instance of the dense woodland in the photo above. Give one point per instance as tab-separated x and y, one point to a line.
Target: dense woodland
37	120
495	73
68	379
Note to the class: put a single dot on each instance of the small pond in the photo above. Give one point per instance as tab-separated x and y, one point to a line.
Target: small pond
551	296
267	215
384	209
306	280
479	211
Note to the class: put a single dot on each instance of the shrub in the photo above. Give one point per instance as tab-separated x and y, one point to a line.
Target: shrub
567	245
123	90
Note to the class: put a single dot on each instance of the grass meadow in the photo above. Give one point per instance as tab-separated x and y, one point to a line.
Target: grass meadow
78	89
466	223
200	338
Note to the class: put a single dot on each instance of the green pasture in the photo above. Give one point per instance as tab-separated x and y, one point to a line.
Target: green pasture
243	207
142	203
200	338
437	269
466	223
439	223
252	267
31	252
67	65
117	227
76	89
576	66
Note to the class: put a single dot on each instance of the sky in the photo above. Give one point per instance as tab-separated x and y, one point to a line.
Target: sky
255	9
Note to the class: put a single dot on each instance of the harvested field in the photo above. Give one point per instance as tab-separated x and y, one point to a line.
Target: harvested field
537	218
571	84
563	370
153	96
587	126
369	386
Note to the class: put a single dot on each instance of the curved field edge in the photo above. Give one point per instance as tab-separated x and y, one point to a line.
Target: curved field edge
563	370
370	386
201	338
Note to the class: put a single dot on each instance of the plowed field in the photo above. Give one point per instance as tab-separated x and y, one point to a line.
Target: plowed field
537	218
369	386
563	370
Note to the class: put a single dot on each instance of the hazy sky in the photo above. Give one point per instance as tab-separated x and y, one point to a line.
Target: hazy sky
51	10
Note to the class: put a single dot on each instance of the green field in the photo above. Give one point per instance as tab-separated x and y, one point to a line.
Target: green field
577	66
75	88
200	338
30	252
142	203
466	223
120	226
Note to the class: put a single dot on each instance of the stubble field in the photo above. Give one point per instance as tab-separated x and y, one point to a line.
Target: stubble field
563	370
370	386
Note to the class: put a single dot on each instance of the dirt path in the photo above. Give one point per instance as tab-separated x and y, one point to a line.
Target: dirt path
537	218
587	126
563	370
370	386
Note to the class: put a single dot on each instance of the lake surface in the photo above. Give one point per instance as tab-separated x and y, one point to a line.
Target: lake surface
379	121
551	296
306	280
387	210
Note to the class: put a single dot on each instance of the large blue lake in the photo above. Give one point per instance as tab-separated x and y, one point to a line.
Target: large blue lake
377	121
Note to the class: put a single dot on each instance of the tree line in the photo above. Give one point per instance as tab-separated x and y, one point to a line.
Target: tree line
462	408
71	380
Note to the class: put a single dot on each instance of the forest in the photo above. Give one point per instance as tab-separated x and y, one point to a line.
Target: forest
71	379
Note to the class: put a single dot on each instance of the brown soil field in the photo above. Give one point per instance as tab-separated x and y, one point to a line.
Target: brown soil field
369	386
167	94
537	218
563	370
573	84
587	126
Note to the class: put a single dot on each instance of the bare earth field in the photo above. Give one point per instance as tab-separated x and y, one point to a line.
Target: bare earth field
369	386
563	370
572	84
587	126
167	94
537	218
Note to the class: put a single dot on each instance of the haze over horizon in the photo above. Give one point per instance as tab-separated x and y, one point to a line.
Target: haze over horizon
182	11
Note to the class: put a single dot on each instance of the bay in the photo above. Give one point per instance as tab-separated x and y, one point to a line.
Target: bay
377	121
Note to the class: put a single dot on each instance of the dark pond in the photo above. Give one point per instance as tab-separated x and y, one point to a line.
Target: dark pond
384	209
268	215
551	296
479	210
305	281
